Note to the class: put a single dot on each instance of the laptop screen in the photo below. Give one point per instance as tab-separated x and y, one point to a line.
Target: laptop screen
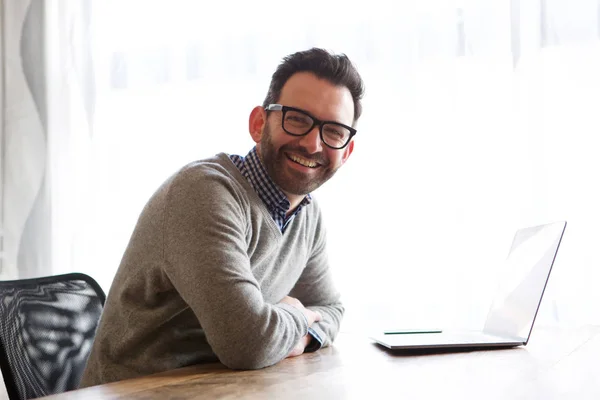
523	279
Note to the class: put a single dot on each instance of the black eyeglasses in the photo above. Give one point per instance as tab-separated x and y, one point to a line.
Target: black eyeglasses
298	122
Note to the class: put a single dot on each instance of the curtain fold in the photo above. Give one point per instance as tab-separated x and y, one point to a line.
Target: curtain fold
26	197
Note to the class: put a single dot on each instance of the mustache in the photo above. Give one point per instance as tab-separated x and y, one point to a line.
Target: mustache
301	151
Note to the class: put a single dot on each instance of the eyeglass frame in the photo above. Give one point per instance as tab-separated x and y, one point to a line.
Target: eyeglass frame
316	121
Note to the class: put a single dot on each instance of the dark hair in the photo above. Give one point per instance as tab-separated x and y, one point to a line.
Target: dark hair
337	69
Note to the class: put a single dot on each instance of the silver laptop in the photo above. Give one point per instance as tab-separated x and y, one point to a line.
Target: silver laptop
514	308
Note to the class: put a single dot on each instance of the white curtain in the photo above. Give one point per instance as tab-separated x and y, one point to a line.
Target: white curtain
47	113
479	118
24	129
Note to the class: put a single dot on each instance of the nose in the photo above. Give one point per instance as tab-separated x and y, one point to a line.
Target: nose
312	141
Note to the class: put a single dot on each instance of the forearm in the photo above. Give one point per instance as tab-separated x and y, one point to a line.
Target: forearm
243	330
264	342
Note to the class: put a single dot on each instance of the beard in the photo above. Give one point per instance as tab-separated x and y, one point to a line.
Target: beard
289	180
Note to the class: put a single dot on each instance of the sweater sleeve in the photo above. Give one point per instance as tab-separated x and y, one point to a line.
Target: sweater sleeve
206	260
316	290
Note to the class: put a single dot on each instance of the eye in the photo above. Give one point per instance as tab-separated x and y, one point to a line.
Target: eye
297	119
333	132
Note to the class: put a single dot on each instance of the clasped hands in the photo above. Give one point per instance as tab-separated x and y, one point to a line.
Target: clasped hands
311	317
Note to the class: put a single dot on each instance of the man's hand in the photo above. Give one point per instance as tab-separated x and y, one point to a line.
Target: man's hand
300	346
311	316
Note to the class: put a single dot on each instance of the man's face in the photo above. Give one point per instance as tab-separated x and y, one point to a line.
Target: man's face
299	165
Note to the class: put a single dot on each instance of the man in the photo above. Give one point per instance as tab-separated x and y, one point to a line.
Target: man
228	259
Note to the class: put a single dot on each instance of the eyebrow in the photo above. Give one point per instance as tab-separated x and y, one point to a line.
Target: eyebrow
318	119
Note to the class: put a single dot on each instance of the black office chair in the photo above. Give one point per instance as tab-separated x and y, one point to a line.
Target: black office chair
47	326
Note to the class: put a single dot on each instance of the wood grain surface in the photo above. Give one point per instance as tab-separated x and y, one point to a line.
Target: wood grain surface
556	364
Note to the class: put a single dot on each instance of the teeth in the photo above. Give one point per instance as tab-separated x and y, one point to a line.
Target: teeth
302	161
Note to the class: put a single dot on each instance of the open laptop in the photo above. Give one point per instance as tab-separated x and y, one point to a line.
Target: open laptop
514	308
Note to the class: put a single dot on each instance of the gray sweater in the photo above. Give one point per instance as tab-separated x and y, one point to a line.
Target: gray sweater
201	278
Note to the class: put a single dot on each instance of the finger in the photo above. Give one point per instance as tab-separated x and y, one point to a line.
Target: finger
318	316
290	300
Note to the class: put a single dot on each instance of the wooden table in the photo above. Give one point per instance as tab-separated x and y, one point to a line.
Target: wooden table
556	364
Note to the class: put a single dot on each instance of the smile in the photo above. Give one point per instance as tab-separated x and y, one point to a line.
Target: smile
302	161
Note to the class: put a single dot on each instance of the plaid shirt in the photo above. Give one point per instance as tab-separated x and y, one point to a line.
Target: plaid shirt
276	201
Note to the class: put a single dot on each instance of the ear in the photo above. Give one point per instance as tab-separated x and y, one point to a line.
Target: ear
347	151
256	123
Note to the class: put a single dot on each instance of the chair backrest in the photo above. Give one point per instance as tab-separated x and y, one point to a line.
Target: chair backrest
47	326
